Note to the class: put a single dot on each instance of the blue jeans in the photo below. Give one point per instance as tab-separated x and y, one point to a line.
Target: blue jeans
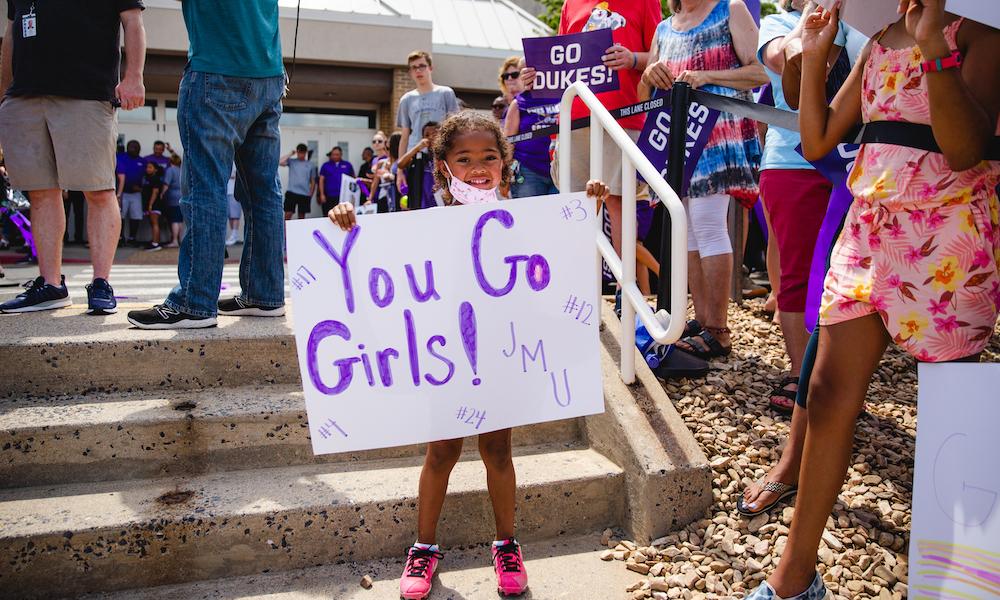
534	184
225	120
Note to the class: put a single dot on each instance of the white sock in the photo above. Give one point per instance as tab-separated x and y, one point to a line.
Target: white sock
431	547
498	543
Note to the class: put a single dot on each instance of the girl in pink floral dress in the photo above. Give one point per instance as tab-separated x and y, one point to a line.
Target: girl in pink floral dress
918	260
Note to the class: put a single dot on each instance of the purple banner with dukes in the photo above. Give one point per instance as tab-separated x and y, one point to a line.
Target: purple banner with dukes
654	141
835	166
560	61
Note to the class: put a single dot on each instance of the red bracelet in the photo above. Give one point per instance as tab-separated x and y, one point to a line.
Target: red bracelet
936	66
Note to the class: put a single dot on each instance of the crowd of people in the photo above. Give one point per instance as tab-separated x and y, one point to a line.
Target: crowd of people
148	187
916	264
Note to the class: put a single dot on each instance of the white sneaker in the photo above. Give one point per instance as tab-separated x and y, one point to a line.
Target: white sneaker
231	240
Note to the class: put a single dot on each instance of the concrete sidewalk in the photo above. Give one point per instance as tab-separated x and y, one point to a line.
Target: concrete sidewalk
564	570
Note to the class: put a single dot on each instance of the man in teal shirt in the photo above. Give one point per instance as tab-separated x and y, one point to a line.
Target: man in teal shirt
227	113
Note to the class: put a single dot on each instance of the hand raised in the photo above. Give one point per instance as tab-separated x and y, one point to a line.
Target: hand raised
820	31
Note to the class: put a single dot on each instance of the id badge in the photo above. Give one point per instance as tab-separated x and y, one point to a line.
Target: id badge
29	25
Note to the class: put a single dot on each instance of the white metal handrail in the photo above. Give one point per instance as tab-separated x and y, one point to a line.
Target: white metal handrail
661	325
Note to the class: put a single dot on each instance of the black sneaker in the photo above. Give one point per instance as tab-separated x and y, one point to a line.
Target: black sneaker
153	247
101	298
162	316
237	307
38	295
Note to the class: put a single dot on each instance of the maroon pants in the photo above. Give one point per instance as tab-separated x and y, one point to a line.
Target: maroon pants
796	201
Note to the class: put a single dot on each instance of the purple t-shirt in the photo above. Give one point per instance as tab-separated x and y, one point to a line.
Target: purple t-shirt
332	173
134	169
534	114
162	161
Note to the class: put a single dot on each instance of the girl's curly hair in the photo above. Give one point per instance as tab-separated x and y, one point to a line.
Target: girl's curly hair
462	123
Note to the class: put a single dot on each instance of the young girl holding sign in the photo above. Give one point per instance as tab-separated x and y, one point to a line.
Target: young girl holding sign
917	262
473	164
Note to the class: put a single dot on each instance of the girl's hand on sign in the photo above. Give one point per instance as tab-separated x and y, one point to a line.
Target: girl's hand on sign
597	189
820	31
658	75
618	57
695	79
343	216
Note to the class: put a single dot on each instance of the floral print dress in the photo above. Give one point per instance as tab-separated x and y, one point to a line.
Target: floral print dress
921	245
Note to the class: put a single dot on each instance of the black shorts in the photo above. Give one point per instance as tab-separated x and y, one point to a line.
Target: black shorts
159	205
174	214
296	203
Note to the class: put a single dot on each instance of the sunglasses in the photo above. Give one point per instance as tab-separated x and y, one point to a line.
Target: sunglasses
378	141
510	75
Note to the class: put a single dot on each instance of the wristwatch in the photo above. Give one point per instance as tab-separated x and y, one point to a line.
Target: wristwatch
940	64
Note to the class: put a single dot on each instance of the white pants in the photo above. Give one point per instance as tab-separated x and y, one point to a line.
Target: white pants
708	225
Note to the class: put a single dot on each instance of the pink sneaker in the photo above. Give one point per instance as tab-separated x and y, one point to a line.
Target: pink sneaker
512	578
415	584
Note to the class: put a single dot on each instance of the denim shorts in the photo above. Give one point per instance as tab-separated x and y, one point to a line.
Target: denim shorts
132	207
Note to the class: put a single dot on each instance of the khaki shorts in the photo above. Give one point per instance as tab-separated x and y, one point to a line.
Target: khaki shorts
612	164
51	142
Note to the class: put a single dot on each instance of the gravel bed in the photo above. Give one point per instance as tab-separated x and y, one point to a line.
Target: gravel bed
723	555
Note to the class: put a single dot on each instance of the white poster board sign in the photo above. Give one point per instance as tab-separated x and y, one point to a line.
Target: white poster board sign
871	16
350	191
955	540
448	322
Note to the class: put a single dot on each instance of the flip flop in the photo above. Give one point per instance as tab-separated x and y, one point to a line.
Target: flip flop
783	490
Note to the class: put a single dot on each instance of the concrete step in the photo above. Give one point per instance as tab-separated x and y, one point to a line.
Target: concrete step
63	352
566	568
80	538
105	437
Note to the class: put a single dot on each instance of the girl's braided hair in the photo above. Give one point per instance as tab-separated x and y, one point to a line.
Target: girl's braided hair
461	123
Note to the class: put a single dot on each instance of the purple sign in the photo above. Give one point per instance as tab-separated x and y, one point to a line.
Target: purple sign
560	61
835	166
24	226
754	7
654	140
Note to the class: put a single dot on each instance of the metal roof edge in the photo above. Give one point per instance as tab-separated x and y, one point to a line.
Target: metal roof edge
474	52
312	14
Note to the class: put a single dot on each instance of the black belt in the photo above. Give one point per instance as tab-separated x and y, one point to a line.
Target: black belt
911	135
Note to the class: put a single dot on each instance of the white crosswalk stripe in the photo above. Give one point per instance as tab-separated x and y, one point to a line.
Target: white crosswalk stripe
148	283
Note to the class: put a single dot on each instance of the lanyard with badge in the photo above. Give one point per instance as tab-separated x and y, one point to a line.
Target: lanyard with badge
29	23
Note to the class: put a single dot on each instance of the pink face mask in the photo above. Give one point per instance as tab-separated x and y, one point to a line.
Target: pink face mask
466	194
